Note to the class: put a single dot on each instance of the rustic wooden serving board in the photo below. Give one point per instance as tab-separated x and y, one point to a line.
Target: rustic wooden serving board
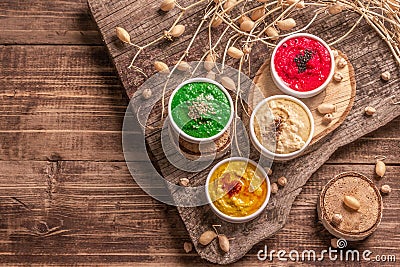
368	53
341	94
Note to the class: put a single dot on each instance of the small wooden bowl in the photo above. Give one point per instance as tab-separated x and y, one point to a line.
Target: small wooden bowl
356	225
212	150
206	151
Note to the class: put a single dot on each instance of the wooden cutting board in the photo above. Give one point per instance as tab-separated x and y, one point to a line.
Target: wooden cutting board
368	53
340	94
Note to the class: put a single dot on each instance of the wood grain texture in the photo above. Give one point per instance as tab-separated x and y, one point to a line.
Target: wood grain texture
368	55
116	222
87	198
41	22
58	100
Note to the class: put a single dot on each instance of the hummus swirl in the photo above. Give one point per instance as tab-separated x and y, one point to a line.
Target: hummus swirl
288	129
237	188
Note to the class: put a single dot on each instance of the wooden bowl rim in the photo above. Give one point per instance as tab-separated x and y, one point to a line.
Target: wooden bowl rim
322	211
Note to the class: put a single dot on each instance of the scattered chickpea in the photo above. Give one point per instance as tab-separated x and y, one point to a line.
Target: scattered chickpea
337	218
342	63
183	66
325	108
184	181
123	35
274	188
188	247
247	49
386	189
286	24
338	77
328	118
335	53
282	181
380	168
207	237
352	202
146	94
386	76
161	67
167	5
370	111
335	9
269	171
223	243
211	75
300	4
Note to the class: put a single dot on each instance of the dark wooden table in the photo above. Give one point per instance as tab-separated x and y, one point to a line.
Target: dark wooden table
66	195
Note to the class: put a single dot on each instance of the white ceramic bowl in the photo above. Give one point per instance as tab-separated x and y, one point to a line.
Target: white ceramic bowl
231	218
184	135
265	151
283	86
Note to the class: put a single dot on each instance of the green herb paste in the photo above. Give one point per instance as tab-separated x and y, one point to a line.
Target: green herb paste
200	109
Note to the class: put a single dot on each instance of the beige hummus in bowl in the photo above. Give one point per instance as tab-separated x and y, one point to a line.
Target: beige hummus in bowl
281	127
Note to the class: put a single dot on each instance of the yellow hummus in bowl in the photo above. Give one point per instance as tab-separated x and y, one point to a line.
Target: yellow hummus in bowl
237	189
281	127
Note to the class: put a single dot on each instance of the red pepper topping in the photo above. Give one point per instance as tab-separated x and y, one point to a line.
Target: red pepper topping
232	186
236	189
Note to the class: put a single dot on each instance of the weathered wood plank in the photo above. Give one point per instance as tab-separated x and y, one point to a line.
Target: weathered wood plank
70	72
76	137
61	145
117	222
80	100
41	22
70	91
70	135
67	106
50	93
368	54
365	149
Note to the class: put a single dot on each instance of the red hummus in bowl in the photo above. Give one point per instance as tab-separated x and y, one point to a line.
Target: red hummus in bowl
302	65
